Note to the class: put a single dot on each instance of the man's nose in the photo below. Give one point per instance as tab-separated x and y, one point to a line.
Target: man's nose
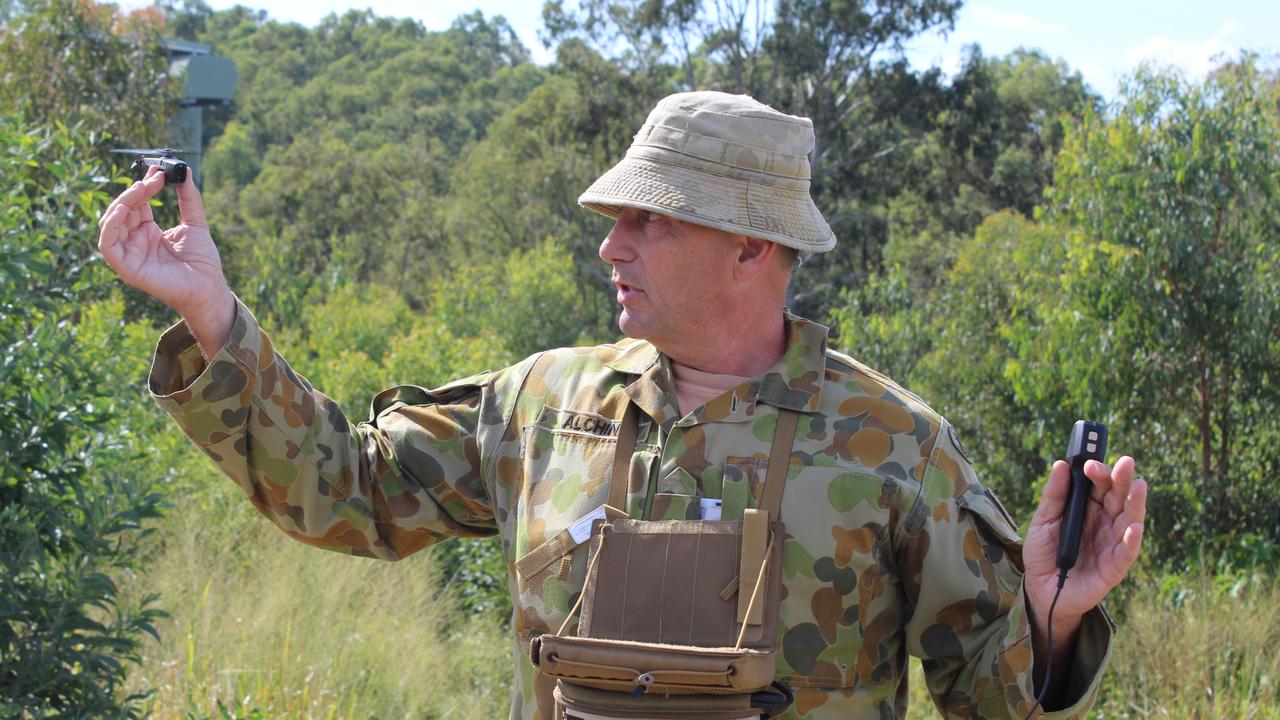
616	246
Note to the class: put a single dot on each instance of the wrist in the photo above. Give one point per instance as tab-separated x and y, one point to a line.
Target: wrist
210	321
1066	623
207	305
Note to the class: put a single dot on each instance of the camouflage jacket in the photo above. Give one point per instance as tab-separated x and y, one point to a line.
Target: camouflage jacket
892	547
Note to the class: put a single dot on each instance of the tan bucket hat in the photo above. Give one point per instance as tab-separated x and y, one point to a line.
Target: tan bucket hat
725	161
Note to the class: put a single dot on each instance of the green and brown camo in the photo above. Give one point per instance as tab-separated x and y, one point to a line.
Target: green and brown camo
893	546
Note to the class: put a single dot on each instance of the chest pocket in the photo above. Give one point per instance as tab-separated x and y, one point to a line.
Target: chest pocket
567	460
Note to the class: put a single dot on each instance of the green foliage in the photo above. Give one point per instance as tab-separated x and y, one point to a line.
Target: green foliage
990	315
884	322
989	145
1172	283
335	163
69	61
531	300
1196	644
70	513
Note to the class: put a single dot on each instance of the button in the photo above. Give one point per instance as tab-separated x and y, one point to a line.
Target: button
1093	434
1091	447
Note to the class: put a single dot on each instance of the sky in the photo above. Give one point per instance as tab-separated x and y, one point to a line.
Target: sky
1103	40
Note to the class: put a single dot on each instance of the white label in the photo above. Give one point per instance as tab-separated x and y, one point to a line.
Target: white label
580	530
711	508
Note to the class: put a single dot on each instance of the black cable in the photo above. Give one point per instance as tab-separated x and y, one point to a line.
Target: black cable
1048	670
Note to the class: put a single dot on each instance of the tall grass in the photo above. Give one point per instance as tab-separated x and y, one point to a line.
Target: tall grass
263	626
1203	646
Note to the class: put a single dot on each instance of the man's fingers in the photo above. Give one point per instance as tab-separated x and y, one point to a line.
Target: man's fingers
135	196
1054	500
1135	504
115	229
1126	551
190	207
1099	474
1121	482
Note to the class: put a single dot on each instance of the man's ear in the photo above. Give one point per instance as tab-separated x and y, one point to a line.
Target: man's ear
754	255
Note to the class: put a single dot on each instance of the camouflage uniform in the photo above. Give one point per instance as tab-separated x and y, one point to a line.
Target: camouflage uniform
893	546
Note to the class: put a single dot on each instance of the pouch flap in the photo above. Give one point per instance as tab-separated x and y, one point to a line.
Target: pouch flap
611	704
677	669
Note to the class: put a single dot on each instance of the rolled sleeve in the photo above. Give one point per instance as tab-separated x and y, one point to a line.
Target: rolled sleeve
1093	650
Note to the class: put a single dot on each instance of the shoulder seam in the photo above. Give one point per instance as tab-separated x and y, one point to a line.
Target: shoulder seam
867	371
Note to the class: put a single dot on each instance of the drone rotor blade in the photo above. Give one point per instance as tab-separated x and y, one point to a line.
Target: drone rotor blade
163	152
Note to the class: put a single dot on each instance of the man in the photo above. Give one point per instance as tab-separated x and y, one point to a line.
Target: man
893	546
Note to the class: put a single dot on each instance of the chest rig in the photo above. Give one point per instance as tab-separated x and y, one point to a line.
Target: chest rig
678	618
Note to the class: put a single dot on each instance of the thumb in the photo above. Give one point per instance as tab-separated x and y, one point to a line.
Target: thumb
190	207
1054	500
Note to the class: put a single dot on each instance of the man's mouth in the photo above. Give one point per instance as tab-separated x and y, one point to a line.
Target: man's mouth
626	291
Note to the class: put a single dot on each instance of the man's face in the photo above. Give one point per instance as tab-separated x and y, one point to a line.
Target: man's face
670	276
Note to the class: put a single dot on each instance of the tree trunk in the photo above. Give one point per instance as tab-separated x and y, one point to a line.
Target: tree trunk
1206	449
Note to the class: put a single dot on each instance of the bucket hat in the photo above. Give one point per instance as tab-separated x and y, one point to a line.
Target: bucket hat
724	161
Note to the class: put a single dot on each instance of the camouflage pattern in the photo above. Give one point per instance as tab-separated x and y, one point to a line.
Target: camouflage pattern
893	546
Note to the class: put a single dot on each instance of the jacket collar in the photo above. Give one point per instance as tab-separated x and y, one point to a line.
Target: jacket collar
795	382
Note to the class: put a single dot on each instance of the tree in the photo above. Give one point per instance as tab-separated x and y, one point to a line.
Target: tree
71	515
1172	214
988	144
69	61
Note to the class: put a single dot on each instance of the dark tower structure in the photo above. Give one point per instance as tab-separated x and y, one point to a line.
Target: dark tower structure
209	81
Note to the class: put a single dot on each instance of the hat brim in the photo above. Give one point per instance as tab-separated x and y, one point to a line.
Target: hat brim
691	190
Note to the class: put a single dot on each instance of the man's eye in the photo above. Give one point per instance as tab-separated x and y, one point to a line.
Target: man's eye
652	216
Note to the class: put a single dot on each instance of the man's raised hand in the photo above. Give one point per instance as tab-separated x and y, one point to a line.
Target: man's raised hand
1112	538
180	266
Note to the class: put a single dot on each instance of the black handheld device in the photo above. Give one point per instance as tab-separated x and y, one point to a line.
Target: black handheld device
1088	442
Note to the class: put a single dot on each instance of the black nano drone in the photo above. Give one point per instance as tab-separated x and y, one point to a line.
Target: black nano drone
175	170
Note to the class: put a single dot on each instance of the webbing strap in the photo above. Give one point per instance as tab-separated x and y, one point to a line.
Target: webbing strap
775	478
622	453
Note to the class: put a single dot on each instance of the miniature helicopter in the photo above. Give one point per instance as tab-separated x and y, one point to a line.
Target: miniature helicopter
175	170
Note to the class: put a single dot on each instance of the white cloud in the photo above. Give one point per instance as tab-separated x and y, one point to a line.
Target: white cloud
998	19
1229	27
1196	59
1101	80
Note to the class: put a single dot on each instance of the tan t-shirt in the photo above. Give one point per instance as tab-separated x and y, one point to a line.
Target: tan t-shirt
695	387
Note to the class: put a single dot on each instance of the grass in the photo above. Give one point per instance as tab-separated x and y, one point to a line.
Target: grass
1200	647
263	626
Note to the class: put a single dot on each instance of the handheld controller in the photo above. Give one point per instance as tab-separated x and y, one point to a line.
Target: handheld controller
1088	442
